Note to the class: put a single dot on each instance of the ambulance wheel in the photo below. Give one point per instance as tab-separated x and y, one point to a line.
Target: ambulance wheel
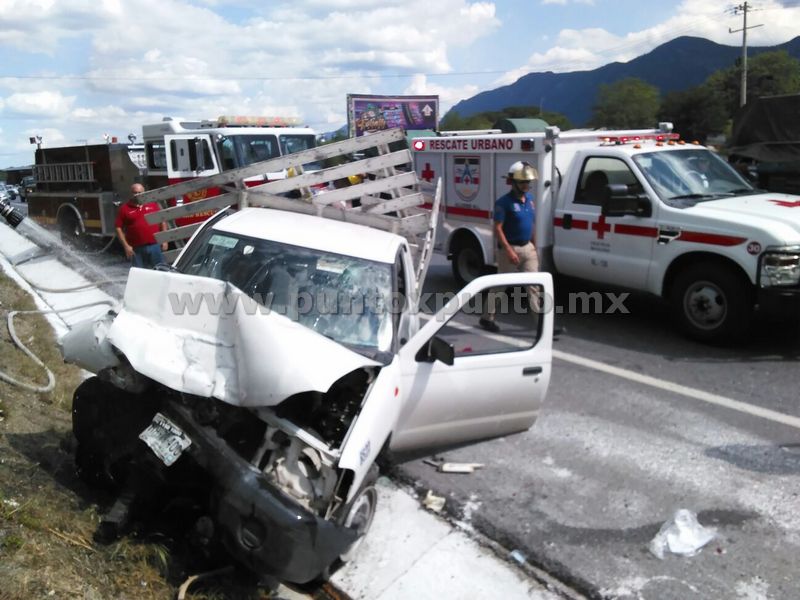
712	302
467	262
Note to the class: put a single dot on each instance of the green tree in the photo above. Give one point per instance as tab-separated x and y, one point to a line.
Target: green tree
626	104
768	74
696	113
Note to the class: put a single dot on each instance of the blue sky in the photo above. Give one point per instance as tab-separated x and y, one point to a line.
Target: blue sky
74	70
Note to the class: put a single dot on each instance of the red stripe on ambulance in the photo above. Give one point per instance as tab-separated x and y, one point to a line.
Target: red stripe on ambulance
698	237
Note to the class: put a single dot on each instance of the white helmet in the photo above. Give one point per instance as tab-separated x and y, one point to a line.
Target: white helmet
522	171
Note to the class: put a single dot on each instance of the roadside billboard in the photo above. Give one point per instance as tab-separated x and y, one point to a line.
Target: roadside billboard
367	114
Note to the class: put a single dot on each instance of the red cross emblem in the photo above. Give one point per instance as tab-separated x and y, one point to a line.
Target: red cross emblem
786	203
427	173
601	227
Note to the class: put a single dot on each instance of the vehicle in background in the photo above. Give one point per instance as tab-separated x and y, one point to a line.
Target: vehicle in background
78	189
638	209
765	139
177	151
27	186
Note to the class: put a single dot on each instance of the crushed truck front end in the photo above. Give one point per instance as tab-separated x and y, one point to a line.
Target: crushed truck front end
236	388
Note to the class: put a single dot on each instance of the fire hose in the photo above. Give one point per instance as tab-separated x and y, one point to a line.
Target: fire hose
15	218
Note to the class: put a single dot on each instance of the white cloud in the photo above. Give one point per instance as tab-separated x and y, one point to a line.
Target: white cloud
51	104
448	96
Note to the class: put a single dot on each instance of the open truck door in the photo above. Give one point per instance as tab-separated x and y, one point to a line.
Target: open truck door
190	156
463	383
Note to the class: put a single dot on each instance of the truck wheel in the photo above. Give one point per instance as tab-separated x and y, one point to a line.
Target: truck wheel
106	422
711	302
467	262
358	514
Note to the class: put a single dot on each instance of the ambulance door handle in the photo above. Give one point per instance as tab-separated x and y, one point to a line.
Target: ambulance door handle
532	371
567	222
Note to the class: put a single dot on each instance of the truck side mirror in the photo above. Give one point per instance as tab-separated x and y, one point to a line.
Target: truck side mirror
620	201
437	349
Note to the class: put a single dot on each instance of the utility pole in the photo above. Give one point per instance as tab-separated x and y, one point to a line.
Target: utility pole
743	8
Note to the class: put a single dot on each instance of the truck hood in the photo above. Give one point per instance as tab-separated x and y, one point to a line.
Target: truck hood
205	337
775	214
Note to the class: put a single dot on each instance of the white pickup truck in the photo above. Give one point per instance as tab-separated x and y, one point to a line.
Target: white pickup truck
256	380
638	209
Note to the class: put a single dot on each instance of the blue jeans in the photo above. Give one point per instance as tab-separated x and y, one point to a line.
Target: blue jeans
147	256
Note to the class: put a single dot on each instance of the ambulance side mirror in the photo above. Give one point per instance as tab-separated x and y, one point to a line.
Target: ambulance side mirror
620	201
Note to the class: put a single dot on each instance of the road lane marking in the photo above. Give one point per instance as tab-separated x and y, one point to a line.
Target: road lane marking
730	403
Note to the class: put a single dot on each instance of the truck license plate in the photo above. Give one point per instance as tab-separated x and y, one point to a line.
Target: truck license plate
165	439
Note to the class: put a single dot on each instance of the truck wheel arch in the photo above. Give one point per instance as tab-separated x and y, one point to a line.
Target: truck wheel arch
684	261
711	297
465	243
67	216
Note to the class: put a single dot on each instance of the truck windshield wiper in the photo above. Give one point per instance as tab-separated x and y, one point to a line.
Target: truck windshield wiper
692	196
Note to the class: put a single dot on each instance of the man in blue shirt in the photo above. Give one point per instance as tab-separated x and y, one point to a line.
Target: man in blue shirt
514	219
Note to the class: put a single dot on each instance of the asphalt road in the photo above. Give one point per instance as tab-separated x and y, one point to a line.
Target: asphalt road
620	446
651	423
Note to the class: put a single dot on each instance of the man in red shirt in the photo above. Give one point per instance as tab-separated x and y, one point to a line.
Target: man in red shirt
137	235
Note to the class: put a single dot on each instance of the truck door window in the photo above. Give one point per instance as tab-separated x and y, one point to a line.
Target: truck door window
156	156
519	324
190	154
598	172
227	154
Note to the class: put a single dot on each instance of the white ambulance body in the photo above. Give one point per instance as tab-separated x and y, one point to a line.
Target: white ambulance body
708	242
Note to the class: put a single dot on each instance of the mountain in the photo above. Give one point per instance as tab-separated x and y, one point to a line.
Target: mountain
679	64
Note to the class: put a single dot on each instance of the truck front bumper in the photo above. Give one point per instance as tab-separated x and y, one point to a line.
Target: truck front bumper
779	301
260	526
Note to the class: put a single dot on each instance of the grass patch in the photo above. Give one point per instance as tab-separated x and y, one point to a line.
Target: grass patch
47	516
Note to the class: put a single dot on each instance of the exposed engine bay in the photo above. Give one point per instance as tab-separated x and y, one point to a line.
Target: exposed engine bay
243	470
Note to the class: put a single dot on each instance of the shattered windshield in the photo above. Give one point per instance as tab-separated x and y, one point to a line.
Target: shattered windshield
341	297
689	176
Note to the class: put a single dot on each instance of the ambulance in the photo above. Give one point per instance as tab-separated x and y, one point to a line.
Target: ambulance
640	209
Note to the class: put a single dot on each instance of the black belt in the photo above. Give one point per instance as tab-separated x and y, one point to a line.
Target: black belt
523	243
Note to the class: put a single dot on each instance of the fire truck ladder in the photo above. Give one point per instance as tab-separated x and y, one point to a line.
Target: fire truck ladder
64	172
388	195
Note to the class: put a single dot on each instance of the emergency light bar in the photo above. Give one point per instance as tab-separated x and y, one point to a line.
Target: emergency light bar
241	121
624	139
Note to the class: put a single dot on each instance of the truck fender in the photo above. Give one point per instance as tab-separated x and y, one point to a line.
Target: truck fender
375	423
463	234
679	263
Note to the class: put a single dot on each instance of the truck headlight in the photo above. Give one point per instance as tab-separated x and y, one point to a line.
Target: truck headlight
780	268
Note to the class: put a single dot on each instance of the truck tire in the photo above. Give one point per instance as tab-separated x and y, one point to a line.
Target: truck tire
106	422
712	302
467	262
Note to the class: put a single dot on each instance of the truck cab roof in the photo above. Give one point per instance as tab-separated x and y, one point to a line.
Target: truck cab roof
313	232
